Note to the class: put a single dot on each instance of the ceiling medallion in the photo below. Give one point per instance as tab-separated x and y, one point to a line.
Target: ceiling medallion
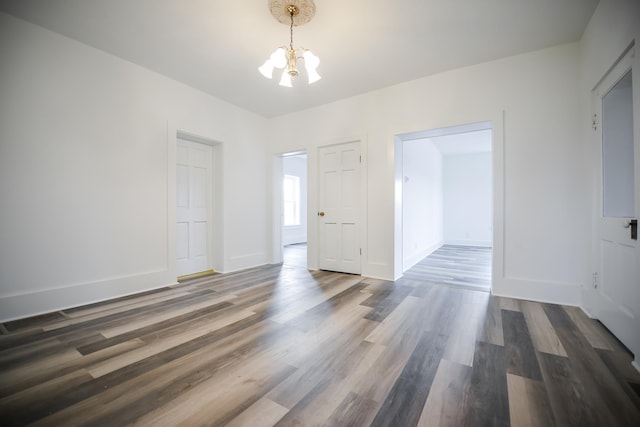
304	11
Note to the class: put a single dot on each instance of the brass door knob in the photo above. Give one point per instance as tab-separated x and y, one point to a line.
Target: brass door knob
320	213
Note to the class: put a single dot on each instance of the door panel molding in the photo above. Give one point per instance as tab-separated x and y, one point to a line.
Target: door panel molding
339	217
194	212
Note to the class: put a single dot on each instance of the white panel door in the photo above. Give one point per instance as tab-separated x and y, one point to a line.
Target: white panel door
617	250
193	215
339	208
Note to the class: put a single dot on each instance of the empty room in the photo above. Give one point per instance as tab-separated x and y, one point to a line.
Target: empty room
447	205
263	213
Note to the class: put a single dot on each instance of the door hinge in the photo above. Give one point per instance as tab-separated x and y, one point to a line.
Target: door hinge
360	159
595	280
594	122
360	251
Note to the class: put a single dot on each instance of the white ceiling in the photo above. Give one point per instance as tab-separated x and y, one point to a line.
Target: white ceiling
216	46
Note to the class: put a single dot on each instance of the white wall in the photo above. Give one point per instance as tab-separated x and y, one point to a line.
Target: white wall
468	199
297	166
86	177
544	247
422	199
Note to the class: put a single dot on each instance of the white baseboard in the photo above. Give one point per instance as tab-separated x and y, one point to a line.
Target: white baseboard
377	270
413	259
588	312
19	306
480	243
294	242
536	290
243	262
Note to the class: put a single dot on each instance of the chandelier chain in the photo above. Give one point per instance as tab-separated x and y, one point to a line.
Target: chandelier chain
291	30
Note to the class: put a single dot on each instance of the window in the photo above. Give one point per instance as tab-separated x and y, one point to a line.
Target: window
617	150
291	198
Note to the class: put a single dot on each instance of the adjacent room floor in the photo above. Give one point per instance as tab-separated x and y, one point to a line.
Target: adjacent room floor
280	345
295	255
462	266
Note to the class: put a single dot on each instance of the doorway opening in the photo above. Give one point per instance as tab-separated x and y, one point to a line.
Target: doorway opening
447	205
294	209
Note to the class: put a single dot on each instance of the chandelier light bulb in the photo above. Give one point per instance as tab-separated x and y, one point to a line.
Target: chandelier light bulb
313	76
266	69
285	80
278	58
311	63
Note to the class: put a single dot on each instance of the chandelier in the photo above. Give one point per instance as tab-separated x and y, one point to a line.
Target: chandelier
293	13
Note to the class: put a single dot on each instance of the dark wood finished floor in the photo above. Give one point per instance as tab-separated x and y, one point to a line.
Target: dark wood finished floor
462	266
283	346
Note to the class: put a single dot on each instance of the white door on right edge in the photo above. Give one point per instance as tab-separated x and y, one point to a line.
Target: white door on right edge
339	208
616	244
